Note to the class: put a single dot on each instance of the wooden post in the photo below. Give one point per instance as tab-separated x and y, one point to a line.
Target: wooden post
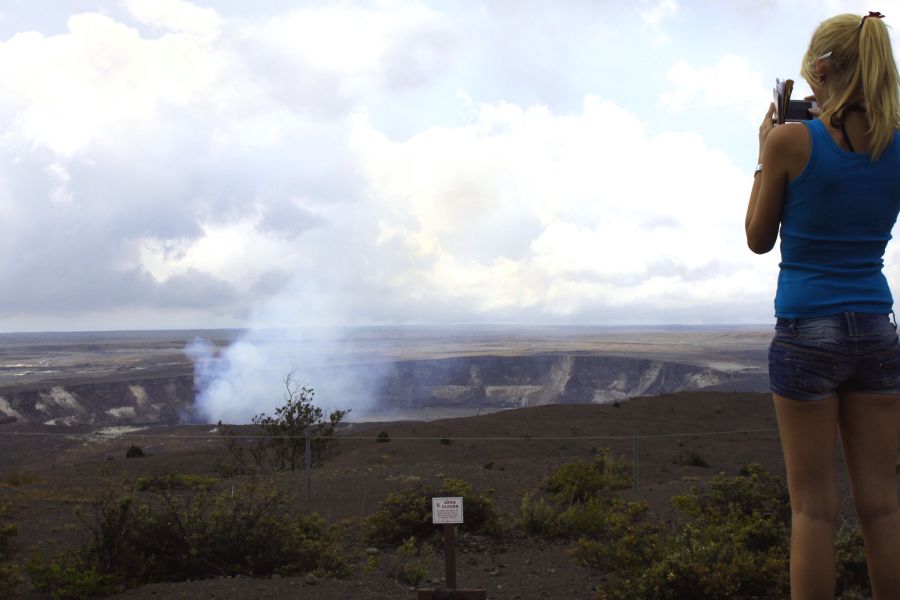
450	554
448	512
308	462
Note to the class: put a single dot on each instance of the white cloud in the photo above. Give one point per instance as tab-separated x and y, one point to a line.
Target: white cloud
62	194
730	83
579	191
655	17
182	164
235	252
70	90
346	51
178	16
195	164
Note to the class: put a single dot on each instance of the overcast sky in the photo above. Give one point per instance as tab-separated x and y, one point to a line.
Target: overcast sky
174	164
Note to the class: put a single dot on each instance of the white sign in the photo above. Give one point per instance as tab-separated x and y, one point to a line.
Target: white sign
446	510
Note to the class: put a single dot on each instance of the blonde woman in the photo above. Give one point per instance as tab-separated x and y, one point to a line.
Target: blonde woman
831	187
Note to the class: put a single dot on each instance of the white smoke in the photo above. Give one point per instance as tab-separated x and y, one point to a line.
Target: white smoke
247	378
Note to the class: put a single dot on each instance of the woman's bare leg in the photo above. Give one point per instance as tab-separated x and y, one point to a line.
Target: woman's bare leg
868	424
808	430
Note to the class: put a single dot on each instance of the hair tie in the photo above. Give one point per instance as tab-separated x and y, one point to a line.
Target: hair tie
872	13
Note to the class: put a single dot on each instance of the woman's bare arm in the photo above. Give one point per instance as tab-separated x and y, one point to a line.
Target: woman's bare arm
782	157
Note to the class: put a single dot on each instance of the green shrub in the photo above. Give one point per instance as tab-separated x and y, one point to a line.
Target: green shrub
733	543
695	460
17	478
852	572
9	574
412	561
228	470
752	491
408	514
721	560
65	579
605	518
168	533
383	437
615	535
174	481
579	499
135	452
576	482
625	539
538	517
370	567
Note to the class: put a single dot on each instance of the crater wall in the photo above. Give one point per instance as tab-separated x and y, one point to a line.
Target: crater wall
164	400
473	383
510	382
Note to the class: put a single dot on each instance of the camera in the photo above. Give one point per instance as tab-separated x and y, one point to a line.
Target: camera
798	110
787	110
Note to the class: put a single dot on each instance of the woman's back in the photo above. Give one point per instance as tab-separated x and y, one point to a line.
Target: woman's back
836	221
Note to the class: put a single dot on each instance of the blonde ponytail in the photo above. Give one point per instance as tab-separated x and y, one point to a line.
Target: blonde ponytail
863	72
880	84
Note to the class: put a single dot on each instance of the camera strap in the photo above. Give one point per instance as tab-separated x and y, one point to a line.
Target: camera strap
849	108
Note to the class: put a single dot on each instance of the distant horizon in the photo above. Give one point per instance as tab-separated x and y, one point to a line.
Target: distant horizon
420	326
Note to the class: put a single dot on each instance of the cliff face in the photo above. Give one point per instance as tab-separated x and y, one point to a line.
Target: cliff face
477	382
508	382
141	401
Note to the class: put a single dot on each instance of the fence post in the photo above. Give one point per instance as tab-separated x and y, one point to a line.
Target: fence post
308	460
634	457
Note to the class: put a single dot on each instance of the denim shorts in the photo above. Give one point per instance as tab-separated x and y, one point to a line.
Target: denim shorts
811	359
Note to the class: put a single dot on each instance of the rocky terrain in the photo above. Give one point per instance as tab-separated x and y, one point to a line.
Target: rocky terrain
47	479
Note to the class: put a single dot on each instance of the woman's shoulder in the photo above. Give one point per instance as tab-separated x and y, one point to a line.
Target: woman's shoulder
792	133
790	145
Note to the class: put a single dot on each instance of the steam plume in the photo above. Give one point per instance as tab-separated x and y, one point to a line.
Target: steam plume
248	377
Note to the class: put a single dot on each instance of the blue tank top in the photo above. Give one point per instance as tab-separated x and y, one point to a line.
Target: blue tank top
835	224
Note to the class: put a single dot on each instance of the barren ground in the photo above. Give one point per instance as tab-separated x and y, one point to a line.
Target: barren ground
508	452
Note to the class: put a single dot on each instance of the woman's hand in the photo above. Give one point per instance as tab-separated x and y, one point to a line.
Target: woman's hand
766	126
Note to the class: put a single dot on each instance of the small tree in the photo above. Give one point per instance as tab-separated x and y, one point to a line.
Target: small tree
281	438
